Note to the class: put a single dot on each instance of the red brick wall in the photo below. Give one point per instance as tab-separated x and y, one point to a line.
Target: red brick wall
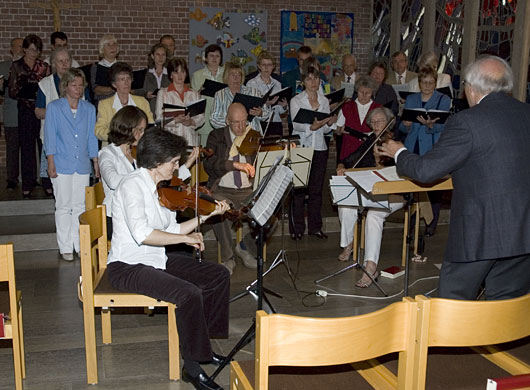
138	24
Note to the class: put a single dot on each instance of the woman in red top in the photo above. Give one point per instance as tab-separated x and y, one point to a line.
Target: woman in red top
353	115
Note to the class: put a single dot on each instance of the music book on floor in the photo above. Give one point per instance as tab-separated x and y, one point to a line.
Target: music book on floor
411	114
210	87
392	272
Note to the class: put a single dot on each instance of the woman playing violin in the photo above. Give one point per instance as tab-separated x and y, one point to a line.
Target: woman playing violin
377	120
116	160
138	261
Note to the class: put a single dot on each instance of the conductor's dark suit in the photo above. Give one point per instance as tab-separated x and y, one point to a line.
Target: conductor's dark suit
486	149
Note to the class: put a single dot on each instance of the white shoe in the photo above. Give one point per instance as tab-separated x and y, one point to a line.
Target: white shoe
68	256
249	261
230	265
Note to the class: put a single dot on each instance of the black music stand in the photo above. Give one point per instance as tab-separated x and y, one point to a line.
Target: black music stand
257	289
362	210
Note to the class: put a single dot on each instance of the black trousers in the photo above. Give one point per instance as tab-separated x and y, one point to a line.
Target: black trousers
200	291
28	131
12	154
314	190
504	278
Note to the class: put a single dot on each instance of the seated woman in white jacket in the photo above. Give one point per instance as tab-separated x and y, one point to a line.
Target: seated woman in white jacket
117	159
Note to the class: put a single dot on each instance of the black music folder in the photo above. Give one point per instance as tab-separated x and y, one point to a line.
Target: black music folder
286	93
404	94
411	114
337	96
307	117
445	91
357	134
210	87
193	109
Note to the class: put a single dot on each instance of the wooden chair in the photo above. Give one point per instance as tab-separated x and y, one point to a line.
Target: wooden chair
480	324
11	311
284	340
95	292
94	196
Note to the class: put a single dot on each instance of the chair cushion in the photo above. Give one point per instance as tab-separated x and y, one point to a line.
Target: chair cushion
309	378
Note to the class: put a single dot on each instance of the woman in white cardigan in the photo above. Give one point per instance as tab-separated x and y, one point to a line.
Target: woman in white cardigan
117	159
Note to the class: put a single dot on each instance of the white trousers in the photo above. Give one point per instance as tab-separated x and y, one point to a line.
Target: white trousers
375	218
69	191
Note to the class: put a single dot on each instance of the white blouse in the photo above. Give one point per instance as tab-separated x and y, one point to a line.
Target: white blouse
308	137
136	213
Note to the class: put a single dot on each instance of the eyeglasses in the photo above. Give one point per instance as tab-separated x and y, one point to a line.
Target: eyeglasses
238	123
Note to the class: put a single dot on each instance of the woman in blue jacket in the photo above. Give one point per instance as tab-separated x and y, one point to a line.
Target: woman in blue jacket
70	145
422	136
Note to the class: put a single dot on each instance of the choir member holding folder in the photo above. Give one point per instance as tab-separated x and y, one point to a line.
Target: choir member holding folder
233	76
178	93
311	136
423	133
213	71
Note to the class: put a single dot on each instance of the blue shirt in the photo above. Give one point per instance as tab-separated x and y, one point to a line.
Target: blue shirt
71	140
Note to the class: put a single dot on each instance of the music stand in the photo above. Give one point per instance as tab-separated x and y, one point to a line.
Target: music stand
262	222
361	211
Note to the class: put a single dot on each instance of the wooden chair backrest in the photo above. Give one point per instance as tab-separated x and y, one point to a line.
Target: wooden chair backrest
285	340
7	272
454	323
94	196
94	249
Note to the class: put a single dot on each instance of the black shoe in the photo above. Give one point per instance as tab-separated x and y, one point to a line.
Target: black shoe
217	359
201	381
11	185
299	236
26	194
320	234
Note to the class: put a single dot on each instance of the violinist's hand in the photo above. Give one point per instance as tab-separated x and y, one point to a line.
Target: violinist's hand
427	122
318	124
256	111
221	207
341	169
192	157
389	149
195	240
272	101
245	167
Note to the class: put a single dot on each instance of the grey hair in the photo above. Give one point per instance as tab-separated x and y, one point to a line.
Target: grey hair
108	38
428	59
56	52
485	82
69	76
367	82
384	110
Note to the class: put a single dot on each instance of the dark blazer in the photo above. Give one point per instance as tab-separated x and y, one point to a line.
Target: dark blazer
218	164
486	149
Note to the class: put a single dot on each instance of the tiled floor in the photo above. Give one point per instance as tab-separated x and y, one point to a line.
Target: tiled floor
137	358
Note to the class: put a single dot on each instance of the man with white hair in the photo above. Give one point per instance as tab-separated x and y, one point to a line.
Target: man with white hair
486	150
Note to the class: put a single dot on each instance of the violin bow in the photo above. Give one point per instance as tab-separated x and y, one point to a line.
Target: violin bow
197	252
390	123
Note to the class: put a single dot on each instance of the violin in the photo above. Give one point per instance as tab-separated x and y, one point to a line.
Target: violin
252	144
179	196
204	152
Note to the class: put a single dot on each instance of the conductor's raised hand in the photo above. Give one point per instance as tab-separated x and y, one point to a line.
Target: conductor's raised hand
195	240
245	167
389	148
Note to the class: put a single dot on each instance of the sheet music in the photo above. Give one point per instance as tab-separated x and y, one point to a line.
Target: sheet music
264	208
367	178
390	173
343	193
349	88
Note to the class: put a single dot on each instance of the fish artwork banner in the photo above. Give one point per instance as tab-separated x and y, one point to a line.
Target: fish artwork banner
328	34
241	36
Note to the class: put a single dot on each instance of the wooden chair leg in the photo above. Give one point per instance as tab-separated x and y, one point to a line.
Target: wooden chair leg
21	335
405	234
106	329
90	344
17	357
355	248
239	234
362	233
173	341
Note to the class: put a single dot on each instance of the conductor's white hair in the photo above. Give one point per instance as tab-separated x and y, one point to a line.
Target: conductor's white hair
485	82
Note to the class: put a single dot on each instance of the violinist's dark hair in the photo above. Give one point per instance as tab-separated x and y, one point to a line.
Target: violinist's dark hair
158	146
123	123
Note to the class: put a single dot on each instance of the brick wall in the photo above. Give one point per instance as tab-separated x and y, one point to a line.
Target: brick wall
138	24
